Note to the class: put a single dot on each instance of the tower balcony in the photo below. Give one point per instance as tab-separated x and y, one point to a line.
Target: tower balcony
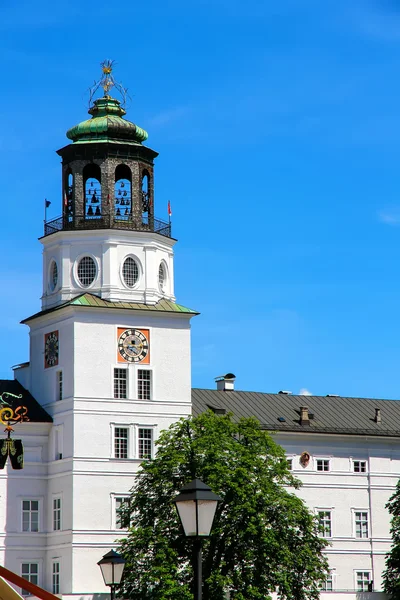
82	222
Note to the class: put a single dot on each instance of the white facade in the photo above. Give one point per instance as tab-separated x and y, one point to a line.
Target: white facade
346	494
109	249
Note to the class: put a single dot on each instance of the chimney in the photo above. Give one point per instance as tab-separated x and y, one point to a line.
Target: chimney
226	383
378	418
304	416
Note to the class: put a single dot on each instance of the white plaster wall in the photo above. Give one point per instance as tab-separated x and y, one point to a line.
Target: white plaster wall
95	354
341	490
109	249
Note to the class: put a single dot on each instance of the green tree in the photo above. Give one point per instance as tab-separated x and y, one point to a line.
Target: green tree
391	575
263	539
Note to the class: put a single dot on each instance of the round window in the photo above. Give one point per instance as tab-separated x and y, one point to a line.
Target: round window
161	277
53	276
130	272
86	271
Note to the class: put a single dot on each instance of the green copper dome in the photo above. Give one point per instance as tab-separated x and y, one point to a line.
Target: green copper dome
107	125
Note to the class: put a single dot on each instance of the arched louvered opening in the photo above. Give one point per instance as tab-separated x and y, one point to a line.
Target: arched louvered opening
68	200
146	199
123	193
92	191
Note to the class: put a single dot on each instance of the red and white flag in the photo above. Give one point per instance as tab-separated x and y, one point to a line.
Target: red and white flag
169	209
65	199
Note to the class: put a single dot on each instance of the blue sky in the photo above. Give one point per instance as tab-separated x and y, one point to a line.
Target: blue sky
278	127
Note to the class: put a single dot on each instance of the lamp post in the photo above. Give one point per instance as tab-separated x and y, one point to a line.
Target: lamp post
196	505
112	566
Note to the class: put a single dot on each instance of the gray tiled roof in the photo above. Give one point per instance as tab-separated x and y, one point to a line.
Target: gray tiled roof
354	416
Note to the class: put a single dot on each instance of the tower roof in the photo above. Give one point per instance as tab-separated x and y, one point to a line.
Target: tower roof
107	125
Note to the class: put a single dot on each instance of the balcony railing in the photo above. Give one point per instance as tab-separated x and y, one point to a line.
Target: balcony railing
79	222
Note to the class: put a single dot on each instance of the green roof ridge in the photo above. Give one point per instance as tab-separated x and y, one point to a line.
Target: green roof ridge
93	301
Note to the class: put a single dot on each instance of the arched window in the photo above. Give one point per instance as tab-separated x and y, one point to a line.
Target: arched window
123	193
92	191
146	200
68	202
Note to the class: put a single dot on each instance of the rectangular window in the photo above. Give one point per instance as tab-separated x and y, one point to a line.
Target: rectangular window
363	579
120	383
120	501
59	385
29	572
56	578
145	443
327	585
325	522
289	463
121	442
361	523
360	466
322	464
30	515
56	514
144	384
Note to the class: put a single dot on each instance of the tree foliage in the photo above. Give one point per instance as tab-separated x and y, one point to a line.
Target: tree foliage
391	575
263	539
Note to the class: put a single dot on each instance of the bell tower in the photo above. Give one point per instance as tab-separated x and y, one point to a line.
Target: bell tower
108	209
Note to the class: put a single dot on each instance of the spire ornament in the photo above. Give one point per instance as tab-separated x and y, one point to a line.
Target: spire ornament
107	82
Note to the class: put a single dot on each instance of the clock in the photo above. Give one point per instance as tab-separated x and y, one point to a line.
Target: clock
51	349
133	345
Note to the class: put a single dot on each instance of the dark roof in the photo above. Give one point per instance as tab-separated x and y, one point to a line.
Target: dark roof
36	413
355	416
92	301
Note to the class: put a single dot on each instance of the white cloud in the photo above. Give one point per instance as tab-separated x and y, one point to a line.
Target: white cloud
305	392
389	217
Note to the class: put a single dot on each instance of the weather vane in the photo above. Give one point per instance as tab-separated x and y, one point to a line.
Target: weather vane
107	82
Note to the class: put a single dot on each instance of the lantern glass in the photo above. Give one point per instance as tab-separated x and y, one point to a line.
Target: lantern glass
206	511
197	516
112	566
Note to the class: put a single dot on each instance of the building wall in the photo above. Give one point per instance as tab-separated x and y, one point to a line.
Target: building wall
108	249
343	491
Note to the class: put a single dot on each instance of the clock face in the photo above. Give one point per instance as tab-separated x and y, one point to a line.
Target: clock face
51	349
133	345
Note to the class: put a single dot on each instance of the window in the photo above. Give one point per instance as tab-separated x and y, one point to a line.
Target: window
58	442
123	193
322	464
56	514
121	442
30	572
120	501
144	384
289	464
327	585
145	443
361	524
86	271
59	385
130	272
56	578
363	579
161	277
325	522
53	276
30	515
360	466
120	383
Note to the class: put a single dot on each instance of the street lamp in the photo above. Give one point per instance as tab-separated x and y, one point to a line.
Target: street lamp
196	505
112	566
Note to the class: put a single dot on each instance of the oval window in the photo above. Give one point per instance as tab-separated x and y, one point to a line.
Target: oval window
86	271
130	272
